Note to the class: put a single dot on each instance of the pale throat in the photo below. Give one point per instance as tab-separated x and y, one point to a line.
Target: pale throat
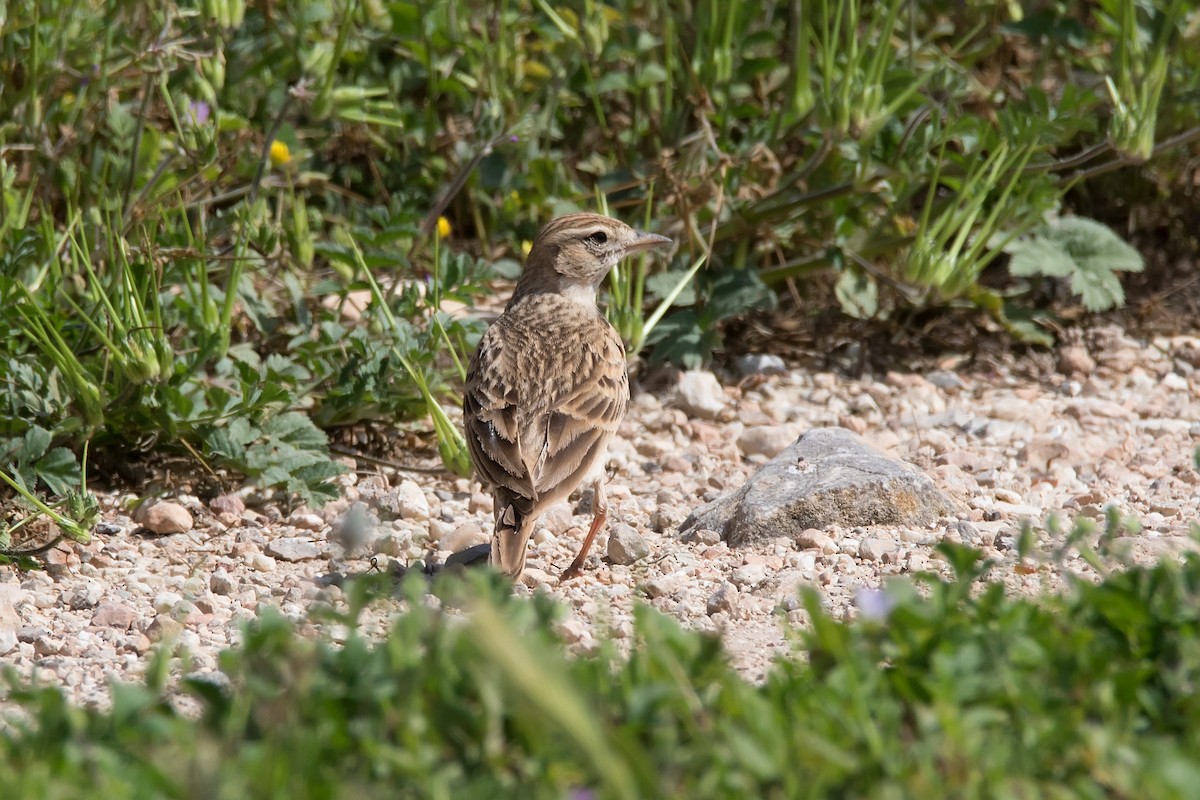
581	293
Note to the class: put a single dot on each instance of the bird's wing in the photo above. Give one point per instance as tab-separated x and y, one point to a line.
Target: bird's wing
582	417
534	422
490	415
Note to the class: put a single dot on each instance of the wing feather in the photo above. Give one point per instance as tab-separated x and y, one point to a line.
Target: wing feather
536	423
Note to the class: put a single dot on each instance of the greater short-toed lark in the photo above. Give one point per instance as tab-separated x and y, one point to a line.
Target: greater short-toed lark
547	387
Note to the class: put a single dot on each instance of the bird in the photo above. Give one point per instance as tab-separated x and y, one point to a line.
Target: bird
547	386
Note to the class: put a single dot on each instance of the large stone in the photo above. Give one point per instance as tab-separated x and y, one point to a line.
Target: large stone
828	477
700	394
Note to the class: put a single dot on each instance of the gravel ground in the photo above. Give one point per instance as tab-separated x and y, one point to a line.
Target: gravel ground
1114	420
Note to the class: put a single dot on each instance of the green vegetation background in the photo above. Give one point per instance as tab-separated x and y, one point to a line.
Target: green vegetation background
194	198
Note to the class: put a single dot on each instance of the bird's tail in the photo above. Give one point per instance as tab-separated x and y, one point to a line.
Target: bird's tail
514	526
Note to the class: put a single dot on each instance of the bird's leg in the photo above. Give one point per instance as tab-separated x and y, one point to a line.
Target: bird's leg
599	515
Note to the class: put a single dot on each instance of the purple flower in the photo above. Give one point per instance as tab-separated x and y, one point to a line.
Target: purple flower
198	111
874	604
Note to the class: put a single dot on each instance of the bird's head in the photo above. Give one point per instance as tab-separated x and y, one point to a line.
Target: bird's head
571	255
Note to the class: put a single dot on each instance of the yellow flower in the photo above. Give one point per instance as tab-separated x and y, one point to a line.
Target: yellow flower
443	227
526	246
280	154
515	196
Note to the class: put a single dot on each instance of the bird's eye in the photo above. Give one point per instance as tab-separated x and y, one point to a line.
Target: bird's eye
599	237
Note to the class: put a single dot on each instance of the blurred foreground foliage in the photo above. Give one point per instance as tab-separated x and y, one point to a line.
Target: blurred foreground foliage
957	690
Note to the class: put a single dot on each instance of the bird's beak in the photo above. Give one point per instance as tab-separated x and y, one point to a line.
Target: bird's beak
646	241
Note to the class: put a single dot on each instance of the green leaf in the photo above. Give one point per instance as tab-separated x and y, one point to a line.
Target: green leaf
661	284
59	470
737	290
1086	251
857	293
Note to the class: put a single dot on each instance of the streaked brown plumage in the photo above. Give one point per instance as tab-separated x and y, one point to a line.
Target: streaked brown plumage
547	387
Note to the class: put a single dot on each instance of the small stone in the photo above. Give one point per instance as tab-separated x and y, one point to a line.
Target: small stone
667	517
227	504
480	503
813	539
535	578
1174	382
657	587
766	440
574	630
626	546
700	394
261	562
440	530
114	615
166	517
30	634
11	596
165	602
392	543
749	576
1076	360
758	364
137	642
944	379
163	628
292	548
47	645
875	549
467	534
220	583
722	600
308	522
206	604
411	502
8	642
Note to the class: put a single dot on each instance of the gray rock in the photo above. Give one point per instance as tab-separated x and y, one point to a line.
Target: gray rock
758	364
292	548
86	596
700	394
667	517
723	599
944	379
827	477
8	642
626	545
221	583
